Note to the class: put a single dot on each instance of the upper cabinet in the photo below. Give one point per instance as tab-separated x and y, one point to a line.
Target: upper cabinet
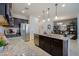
8	14
18	21
2	9
5	10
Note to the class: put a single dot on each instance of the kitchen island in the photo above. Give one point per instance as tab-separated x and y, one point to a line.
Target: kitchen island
54	44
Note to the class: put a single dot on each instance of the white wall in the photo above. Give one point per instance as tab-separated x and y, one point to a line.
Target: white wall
34	26
44	26
39	27
78	30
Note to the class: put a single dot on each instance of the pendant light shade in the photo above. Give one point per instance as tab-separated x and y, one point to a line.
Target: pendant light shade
48	15
43	16
56	16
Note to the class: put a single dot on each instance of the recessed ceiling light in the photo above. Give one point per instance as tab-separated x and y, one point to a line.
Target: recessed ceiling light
29	4
63	5
48	19
43	20
23	11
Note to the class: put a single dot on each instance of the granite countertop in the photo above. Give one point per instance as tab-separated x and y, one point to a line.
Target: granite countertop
17	47
57	36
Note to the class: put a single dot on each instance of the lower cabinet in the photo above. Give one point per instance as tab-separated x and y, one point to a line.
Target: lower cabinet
56	47
44	43
53	46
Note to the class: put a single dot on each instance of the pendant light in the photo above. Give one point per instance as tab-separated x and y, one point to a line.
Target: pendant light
29	3
56	17
48	14
43	16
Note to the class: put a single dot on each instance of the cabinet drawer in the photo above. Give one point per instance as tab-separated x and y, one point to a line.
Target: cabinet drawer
56	43
56	52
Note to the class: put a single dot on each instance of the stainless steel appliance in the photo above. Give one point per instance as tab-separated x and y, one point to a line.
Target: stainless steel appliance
25	32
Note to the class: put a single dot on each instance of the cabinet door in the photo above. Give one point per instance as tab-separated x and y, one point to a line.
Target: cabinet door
2	9
41	42
56	47
9	15
45	43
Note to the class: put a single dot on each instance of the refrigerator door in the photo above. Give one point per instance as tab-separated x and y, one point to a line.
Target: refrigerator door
25	32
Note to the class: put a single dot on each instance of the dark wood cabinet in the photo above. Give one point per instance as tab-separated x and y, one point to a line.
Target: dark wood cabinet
18	21
71	27
56	47
44	43
8	14
41	42
53	46
2	9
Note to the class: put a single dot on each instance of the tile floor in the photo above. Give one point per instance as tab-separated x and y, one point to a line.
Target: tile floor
74	49
17	47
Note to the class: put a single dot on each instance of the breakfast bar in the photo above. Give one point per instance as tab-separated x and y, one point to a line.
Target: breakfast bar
54	44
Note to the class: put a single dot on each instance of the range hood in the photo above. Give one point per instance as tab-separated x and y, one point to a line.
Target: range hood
3	21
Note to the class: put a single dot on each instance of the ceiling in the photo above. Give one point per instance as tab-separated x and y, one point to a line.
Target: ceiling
71	10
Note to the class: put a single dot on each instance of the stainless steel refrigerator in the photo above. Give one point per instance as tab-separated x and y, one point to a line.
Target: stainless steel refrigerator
25	32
